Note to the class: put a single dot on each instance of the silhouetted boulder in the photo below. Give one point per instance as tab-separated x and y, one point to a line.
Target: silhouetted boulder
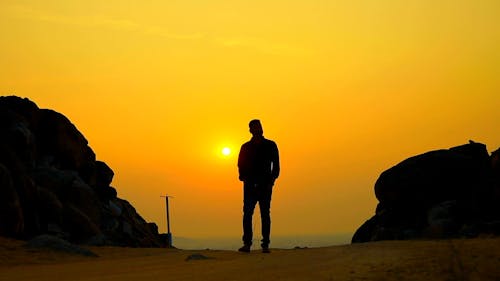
28	197
11	213
57	244
50	209
439	194
21	106
103	178
495	165
104	174
60	144
78	224
51	183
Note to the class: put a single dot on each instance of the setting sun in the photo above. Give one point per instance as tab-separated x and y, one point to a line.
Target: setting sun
226	151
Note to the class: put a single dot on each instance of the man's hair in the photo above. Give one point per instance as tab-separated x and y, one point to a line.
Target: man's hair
254	122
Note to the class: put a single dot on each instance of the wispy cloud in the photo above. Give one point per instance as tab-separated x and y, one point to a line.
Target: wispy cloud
162	32
261	45
95	21
24	12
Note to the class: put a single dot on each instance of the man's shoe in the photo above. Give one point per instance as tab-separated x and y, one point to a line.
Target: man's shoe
245	249
266	250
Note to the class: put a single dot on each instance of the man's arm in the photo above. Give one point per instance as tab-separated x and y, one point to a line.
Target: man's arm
242	158
276	162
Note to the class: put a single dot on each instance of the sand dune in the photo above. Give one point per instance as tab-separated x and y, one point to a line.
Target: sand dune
470	259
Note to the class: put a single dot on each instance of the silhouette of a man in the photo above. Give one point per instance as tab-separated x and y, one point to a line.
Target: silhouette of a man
259	167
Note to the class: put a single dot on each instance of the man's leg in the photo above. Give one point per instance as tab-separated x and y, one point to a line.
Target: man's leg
265	214
249	202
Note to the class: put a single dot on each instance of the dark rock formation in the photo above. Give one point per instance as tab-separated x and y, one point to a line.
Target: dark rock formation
46	241
51	183
438	194
197	257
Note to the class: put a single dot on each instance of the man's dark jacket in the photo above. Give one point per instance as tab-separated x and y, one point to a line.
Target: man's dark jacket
258	161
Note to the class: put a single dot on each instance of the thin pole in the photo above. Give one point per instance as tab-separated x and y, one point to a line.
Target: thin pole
169	234
168	215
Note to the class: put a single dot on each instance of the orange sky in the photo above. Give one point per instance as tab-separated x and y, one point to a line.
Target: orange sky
347	89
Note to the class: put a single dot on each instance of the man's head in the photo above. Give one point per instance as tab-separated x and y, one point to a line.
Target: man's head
256	128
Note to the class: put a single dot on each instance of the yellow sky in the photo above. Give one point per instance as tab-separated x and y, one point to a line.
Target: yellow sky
346	88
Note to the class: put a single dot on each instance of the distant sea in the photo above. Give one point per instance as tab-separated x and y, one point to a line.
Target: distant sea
282	242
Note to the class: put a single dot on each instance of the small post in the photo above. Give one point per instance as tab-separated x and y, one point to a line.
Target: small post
169	234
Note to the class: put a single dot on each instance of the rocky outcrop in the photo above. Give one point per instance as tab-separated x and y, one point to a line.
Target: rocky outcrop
51	183
440	194
54	243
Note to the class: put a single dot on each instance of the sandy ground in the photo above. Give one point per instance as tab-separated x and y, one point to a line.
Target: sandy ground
468	259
